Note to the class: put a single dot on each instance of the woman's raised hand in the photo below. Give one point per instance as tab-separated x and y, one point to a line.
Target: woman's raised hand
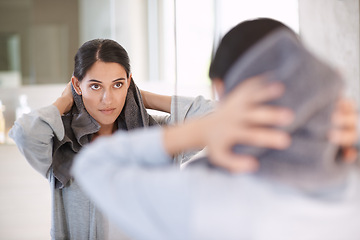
344	130
244	118
65	101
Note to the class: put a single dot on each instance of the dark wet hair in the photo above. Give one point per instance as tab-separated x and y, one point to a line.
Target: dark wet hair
104	50
238	40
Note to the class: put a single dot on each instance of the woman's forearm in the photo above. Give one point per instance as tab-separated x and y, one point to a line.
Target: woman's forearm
34	133
156	101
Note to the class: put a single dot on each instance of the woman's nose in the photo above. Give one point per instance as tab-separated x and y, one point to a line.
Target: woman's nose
107	96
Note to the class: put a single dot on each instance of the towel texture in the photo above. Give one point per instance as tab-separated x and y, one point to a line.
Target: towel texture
80	126
311	91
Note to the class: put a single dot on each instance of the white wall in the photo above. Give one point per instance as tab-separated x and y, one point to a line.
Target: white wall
331	29
122	20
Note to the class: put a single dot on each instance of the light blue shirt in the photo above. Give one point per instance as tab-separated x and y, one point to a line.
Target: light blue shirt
132	180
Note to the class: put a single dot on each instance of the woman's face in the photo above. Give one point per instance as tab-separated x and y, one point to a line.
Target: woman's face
104	89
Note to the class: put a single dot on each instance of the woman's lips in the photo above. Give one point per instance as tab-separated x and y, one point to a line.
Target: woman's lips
107	111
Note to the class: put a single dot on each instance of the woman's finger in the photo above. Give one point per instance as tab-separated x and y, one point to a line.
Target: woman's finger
268	115
233	162
258	89
343	137
262	137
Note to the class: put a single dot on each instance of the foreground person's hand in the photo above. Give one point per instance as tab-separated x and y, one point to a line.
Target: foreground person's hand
244	118
344	131
241	118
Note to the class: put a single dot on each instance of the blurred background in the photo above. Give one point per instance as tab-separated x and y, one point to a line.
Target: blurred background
170	46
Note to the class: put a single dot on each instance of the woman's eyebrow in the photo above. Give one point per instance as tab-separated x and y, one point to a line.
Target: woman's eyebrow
94	80
119	79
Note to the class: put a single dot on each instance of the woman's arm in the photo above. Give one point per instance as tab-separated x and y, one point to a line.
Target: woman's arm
179	107
156	101
33	133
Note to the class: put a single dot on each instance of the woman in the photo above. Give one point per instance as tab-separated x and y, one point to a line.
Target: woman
101	98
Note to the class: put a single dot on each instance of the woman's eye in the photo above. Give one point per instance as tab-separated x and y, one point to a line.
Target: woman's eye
95	86
118	85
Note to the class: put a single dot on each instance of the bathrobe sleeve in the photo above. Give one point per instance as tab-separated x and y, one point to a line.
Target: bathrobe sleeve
132	180
33	134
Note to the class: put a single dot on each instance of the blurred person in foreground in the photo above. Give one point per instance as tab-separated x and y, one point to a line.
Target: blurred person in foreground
270	171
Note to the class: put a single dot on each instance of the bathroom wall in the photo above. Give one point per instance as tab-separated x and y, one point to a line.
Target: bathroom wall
331	29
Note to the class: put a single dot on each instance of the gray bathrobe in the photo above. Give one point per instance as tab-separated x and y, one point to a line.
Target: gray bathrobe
79	128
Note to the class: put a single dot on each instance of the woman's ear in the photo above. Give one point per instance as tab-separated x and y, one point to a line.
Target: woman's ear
129	80
76	84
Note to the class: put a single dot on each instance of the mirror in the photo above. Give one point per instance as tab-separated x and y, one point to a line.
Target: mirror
41	37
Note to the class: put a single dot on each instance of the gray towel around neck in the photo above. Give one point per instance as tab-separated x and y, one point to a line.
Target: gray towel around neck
312	88
80	126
